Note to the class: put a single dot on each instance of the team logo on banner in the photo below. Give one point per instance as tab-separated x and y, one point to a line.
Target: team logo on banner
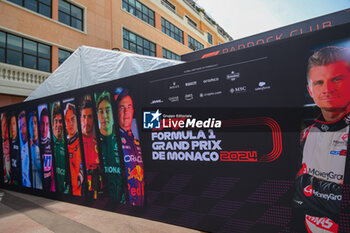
308	191
151	120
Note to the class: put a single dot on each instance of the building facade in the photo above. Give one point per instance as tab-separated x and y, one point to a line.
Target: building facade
36	36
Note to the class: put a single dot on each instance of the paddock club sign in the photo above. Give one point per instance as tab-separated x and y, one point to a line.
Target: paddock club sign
311	25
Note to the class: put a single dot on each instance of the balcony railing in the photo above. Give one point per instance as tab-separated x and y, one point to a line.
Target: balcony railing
208	20
16	80
195	27
191	4
171	9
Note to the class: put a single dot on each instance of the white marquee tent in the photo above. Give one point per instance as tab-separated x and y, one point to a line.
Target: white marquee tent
88	66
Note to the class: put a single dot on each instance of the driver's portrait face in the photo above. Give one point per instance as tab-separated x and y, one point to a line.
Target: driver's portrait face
86	121
104	115
329	86
57	126
23	127
34	126
13	127
4	127
44	127
125	113
71	123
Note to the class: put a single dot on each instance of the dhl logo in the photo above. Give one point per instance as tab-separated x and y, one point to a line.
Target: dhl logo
136	173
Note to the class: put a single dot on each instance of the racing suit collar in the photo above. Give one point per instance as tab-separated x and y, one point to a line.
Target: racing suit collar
45	140
56	141
14	140
129	132
325	126
36	142
71	140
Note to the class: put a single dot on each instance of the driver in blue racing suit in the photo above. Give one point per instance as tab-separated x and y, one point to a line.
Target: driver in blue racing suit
131	149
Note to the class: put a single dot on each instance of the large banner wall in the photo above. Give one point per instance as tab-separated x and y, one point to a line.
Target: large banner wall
224	144
307	26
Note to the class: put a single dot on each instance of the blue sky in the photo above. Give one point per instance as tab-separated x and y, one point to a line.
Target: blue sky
242	18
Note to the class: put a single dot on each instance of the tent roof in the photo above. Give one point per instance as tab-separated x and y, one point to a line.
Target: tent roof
88	66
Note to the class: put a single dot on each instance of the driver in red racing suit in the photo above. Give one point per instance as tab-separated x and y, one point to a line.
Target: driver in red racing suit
324	144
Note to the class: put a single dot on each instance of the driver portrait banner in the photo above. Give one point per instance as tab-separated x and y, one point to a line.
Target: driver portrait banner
250	141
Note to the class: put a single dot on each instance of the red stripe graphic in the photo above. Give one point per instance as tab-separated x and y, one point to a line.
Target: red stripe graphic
211	54
276	134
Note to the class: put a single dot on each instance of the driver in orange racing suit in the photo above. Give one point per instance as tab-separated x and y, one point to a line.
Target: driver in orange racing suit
76	167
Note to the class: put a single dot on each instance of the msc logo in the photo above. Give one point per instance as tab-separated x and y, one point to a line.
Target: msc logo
151	120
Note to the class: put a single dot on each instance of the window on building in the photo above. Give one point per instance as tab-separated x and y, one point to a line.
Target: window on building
70	14
210	38
40	6
194	44
169	5
172	31
139	10
191	22
170	55
19	51
138	44
63	55
2	46
221	31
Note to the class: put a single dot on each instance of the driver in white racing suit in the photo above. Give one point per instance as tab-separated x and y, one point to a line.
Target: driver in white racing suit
324	144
